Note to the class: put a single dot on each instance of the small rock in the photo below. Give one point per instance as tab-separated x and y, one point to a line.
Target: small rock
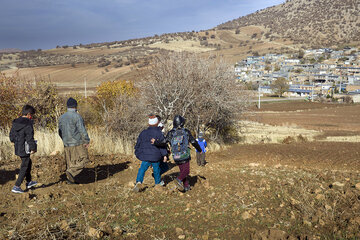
179	231
320	197
338	184
357	186
307	223
277	166
277	234
64	225
254	164
95	233
181	236
205	237
245	215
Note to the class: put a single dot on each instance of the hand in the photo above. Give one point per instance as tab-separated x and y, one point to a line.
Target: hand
165	159
32	152
152	140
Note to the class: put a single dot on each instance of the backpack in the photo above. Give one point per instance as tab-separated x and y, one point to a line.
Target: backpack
180	145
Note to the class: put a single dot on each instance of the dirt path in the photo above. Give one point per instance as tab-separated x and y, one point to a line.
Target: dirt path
247	191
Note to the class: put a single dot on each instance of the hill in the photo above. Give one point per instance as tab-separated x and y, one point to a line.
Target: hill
321	22
10	50
285	28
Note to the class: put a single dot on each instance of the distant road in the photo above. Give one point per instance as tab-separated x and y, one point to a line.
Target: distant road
278	99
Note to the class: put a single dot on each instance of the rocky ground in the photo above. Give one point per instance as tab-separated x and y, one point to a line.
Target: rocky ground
291	190
244	192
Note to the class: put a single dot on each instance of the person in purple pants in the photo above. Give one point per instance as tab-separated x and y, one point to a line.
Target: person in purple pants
179	139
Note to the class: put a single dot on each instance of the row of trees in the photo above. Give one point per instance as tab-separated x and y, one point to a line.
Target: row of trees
201	89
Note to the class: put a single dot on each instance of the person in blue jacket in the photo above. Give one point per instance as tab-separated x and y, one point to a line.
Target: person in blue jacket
149	154
200	156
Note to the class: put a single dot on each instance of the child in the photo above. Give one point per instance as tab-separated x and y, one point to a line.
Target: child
22	135
179	139
149	154
200	156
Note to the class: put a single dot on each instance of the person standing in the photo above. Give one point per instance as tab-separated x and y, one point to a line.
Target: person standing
22	135
179	139
200	156
76	141
148	154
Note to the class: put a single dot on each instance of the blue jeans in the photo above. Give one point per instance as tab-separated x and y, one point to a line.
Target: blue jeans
144	166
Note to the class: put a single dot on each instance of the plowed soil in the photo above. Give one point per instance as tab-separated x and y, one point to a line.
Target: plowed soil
294	190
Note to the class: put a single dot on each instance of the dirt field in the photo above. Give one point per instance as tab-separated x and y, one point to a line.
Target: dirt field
331	119
294	190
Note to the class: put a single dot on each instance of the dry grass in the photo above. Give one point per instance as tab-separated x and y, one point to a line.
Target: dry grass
49	143
181	45
254	132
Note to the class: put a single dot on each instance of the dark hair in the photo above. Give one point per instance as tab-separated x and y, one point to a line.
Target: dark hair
158	117
27	109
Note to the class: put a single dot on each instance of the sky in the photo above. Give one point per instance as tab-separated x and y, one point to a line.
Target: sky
44	24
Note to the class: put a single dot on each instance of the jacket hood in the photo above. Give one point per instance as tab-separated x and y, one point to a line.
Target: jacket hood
21	122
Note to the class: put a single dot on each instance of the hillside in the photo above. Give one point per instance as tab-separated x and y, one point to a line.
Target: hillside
285	28
321	22
296	189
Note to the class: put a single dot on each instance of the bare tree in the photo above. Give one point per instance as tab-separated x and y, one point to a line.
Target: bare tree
203	90
280	86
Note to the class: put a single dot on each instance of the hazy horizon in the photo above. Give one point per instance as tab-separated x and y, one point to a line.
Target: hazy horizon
45	24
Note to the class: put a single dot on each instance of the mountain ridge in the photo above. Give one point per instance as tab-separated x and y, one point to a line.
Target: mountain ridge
321	22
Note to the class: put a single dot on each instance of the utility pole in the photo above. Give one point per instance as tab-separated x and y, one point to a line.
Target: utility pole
312	92
340	80
259	96
85	87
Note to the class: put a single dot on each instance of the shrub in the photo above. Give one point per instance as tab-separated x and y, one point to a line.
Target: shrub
16	92
203	90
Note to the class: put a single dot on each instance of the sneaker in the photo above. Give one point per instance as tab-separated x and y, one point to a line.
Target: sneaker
137	187
16	189
30	184
162	183
179	184
188	188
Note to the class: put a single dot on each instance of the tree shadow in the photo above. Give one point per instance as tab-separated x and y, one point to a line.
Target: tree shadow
7	176
91	175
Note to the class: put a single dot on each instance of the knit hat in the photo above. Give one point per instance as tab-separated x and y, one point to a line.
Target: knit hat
153	121
71	103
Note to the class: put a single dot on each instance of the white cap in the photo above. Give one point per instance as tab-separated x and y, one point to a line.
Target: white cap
153	120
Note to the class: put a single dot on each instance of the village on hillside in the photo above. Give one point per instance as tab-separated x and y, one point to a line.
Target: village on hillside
316	74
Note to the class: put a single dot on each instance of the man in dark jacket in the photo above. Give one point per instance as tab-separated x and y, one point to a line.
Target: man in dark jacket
76	141
179	138
149	154
22	135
